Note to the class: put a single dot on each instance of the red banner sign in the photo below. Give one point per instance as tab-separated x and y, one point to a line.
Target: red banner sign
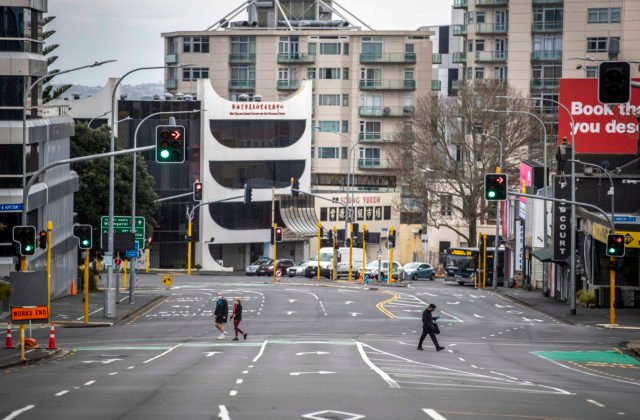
599	129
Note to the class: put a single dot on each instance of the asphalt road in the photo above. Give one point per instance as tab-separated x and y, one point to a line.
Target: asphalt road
329	351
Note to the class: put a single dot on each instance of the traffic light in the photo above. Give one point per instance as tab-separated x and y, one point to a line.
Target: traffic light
615	245
495	187
321	229
330	236
170	143
278	234
197	191
392	238
614	82
84	233
42	239
248	194
25	236
365	235
355	227
295	187
272	236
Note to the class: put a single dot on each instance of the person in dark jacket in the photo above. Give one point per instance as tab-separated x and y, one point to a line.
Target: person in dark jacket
221	312
429	328
237	317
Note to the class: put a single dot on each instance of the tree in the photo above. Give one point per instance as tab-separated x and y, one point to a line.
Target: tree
92	200
448	154
49	93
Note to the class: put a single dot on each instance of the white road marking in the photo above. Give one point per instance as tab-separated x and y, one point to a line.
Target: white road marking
383	374
452	316
255	359
290	312
303	353
343	415
320	372
478	316
349	302
596	403
181	306
525	319
16	413
233	393
461	359
502	374
497	305
162	354
61	393
131	367
356	313
224	413
453	303
244	372
433	414
89	383
104	362
293	300
113	373
239	381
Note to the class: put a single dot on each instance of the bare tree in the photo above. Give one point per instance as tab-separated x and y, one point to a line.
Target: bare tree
443	163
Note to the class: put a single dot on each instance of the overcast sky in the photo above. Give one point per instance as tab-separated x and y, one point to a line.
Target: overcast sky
129	30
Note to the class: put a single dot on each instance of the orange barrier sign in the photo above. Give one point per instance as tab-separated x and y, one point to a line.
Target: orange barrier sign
26	314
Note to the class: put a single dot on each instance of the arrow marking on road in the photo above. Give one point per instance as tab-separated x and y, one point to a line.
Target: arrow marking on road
303	353
525	319
211	353
320	372
104	362
293	300
356	313
289	312
502	306
453	303
319	415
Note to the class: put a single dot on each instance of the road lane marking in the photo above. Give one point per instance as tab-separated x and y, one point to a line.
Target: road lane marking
303	353
211	353
596	403
224	413
478	316
244	372
162	354
381	308
130	367
255	359
433	414
233	393
16	413
376	369
461	359
320	372
239	381
113	373
61	393
89	383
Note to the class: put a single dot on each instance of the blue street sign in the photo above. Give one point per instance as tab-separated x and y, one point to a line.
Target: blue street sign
133	253
625	219
10	207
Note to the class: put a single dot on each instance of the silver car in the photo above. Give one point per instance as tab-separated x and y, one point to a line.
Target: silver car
297	270
251	269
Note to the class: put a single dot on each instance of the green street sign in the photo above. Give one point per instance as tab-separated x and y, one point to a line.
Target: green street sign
122	224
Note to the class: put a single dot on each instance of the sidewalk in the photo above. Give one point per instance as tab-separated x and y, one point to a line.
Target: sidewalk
68	312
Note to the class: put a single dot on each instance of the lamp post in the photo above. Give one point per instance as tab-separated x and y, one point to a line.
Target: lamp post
97	116
109	296
572	257
545	239
132	281
496	242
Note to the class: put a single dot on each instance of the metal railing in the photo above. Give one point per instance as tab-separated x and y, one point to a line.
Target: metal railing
545	83
546	55
293	58
385	111
436	85
547	26
436	58
491	28
242	84
388	58
459	30
242	58
288	84
459	57
491	56
388	84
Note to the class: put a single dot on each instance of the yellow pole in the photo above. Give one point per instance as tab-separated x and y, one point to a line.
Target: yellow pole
335	271
364	250
23	264
49	231
350	251
86	286
484	261
275	250
124	277
391	231
146	260
612	292
22	329
189	248
318	267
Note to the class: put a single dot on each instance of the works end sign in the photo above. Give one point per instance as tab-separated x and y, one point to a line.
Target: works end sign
599	129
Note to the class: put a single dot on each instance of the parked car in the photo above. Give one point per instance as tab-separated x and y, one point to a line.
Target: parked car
297	270
267	269
253	267
374	267
418	270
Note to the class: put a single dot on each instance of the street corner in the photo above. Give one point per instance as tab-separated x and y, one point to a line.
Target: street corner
31	357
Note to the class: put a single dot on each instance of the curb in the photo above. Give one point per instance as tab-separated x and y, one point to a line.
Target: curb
41	357
140	309
537	308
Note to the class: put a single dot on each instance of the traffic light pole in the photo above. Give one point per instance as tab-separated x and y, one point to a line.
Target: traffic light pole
49	240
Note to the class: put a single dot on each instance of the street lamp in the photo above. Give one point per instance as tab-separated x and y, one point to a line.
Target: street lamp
572	257
496	242
545	239
97	116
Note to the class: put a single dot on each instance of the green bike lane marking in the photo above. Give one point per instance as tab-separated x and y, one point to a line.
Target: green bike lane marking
608	356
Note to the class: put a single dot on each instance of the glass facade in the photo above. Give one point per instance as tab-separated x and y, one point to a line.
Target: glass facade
262	174
257	133
19	22
240	216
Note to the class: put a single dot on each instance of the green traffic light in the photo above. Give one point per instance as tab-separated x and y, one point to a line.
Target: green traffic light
612	250
85	242
164	154
28	248
491	194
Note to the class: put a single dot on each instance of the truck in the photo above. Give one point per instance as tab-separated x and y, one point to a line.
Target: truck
342	262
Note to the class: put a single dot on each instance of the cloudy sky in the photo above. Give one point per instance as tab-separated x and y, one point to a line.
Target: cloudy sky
129	30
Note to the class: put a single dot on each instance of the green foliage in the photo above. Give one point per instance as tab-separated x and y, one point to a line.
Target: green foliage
92	200
586	296
5	290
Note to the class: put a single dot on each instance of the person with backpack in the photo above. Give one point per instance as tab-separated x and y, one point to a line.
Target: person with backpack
221	312
237	317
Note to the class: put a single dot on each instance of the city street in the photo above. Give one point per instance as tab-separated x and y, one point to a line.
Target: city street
328	351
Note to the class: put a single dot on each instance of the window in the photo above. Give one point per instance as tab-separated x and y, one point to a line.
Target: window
548	17
470	17
604	15
243	45
591	71
345	73
469	73
370	130
479	44
479	73
547	43
329	73
329	100
599	44
345	99
243	73
312	48
283	74
288	46
371	46
329	48
11	94
470	45
370	157
195	44
194	73
345	153
345	48
480	17
546	107
328	153
311	73
500	73
345	126
547	74
445	205
329	126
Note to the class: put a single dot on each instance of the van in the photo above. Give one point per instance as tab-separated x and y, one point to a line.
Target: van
342	262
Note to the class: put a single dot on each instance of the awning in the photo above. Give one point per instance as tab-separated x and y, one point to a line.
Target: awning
299	215
543	254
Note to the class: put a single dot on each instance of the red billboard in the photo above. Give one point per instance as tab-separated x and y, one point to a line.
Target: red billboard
599	129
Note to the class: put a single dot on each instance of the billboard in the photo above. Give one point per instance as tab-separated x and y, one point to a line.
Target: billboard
599	129
524	187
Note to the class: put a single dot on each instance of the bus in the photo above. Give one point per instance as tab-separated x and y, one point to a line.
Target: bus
464	265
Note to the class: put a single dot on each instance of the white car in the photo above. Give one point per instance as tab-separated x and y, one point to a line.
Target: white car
376	266
297	270
251	269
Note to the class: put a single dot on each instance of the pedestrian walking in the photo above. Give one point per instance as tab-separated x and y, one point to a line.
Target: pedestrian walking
429	327
221	313
237	317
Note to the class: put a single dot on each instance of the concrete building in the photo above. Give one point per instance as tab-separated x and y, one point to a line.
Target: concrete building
47	140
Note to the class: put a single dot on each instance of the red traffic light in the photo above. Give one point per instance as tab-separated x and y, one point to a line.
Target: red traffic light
278	234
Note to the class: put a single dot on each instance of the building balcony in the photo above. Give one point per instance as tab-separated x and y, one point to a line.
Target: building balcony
436	58
491	3
296	58
288	84
242	84
459	30
545	83
459	58
370	163
387	84
491	28
397	58
436	85
546	27
460	4
242	58
171	58
546	55
171	84
385	111
456	84
491	56
548	2
376	137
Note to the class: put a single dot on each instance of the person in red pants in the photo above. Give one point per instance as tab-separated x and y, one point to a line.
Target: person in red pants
237	317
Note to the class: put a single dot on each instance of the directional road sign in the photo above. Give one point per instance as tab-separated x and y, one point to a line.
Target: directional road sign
122	224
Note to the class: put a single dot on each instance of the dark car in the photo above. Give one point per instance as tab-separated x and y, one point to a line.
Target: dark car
253	268
282	265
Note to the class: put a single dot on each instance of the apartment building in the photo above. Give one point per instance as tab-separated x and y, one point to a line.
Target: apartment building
365	82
